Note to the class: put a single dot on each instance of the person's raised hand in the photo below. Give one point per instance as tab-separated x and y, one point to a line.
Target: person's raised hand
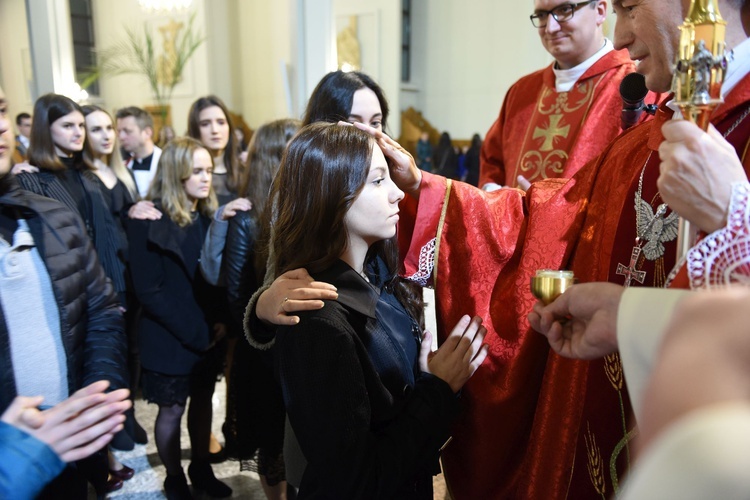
460	355
404	170
582	322
292	291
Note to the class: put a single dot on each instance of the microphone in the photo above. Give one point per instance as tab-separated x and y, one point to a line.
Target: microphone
633	91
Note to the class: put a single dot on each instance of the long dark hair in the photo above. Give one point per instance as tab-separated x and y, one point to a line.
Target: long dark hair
331	101
323	170
47	110
231	160
263	159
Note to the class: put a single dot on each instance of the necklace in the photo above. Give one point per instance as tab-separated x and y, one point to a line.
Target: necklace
653	229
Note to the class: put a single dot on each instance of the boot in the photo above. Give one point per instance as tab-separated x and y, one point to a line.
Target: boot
203	479
176	488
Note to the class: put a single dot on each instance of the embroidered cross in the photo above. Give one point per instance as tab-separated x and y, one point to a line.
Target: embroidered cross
630	272
550	133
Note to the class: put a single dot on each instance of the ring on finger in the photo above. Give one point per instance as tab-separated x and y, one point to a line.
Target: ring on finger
286	299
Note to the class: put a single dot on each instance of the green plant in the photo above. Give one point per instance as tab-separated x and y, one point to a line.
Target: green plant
136	54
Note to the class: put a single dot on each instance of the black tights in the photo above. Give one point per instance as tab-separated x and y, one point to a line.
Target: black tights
167	435
167	427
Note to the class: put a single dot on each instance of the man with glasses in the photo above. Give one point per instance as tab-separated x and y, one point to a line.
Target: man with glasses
537	425
535	137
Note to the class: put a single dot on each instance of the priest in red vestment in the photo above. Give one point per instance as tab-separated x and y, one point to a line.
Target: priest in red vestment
537	425
555	120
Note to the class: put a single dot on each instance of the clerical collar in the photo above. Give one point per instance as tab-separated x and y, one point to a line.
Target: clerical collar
738	68
566	78
142	164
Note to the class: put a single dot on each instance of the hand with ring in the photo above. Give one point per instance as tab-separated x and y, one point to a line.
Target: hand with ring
293	291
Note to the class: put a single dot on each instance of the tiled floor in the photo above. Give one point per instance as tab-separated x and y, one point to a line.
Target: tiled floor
150	474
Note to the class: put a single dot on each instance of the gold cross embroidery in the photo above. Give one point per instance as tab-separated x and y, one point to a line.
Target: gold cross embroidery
549	134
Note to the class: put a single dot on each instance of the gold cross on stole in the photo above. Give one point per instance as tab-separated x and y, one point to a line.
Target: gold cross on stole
549	134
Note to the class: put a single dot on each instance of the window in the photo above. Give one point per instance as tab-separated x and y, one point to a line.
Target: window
82	26
405	40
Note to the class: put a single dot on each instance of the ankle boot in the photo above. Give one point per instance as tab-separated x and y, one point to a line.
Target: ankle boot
176	488
203	479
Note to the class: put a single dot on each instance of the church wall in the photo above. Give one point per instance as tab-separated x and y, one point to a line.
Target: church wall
266	42
379	26
15	59
110	20
466	55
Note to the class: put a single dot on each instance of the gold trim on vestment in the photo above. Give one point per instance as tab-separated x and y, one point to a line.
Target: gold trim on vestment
438	237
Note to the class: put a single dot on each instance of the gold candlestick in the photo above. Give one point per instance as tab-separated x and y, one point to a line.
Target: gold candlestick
698	76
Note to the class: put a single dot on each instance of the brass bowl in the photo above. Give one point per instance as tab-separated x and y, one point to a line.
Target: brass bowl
549	284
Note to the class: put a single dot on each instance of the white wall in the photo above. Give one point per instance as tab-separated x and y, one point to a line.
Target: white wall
15	61
110	20
386	70
267	40
465	56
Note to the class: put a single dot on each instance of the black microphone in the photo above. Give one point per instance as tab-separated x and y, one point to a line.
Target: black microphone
633	91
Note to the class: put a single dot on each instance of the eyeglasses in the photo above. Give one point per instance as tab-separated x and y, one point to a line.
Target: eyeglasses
561	13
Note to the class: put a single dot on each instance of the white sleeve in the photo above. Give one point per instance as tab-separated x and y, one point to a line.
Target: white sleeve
704	454
642	317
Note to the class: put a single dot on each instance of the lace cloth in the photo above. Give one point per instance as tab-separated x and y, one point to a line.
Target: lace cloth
723	257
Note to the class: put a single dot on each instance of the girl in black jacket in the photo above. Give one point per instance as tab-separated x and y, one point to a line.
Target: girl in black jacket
368	405
177	332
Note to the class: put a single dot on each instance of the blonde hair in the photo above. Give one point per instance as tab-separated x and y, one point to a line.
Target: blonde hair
175	167
113	160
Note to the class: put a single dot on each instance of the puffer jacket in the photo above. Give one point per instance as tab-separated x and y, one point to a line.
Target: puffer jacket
92	326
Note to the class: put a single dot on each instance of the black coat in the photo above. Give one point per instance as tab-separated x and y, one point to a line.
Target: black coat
104	232
90	322
369	424
175	326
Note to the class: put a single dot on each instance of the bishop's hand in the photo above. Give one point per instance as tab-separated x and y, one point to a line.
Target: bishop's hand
697	171
582	322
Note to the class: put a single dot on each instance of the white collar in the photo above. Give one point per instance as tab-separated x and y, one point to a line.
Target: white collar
566	78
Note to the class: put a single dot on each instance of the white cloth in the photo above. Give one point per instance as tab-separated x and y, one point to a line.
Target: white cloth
143	178
703	455
641	320
566	78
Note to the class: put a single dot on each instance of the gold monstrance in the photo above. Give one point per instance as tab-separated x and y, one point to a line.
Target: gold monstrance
699	73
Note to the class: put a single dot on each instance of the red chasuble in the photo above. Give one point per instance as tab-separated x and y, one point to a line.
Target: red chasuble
542	134
536	425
